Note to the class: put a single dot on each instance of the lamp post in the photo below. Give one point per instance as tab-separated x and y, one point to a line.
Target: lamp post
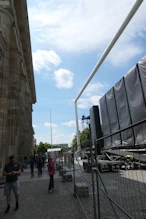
50	128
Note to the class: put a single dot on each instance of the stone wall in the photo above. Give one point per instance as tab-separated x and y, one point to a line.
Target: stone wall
17	88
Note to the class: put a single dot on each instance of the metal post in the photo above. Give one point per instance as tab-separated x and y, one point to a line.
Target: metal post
93	187
97	183
106	192
74	167
50	129
77	127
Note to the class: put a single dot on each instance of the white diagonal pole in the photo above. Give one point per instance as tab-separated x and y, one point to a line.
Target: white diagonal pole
106	52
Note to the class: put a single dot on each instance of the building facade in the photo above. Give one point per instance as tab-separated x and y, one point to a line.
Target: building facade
17	86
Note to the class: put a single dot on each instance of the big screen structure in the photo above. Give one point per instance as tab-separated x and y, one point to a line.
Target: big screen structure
123	105
95	123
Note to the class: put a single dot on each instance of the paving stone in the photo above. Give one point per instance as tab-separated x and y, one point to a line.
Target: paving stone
37	203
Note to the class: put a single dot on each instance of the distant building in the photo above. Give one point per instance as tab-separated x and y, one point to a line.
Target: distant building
61	145
34	141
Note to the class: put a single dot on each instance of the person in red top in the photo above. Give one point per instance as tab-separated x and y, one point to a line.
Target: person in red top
51	172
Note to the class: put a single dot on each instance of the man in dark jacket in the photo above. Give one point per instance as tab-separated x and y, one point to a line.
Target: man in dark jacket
39	166
11	171
32	166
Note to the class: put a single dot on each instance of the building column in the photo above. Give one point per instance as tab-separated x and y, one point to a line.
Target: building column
22	146
14	105
28	124
5	27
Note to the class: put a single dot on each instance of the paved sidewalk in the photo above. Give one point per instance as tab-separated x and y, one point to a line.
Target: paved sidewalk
37	203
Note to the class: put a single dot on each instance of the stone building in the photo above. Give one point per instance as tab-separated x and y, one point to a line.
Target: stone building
17	86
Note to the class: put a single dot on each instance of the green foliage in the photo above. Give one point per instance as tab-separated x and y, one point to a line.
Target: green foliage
35	148
84	139
42	147
63	149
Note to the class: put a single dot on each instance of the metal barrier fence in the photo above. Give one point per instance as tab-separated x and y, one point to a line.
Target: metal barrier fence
118	193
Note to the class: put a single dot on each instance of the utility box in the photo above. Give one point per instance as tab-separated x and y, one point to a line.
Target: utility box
108	165
82	189
62	172
67	177
87	167
85	190
79	189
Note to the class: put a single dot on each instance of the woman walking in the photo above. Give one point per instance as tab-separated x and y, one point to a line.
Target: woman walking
51	172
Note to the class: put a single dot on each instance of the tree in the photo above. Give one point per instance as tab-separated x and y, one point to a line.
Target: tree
35	148
63	149
84	139
42	147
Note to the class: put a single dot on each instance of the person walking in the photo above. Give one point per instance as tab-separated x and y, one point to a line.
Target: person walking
25	162
39	166
11	171
51	172
43	160
32	166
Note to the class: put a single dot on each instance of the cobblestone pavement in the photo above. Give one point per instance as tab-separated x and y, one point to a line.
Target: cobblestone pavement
37	203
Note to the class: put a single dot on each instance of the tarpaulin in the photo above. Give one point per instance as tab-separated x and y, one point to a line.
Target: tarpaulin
123	113
113	119
105	122
136	103
142	72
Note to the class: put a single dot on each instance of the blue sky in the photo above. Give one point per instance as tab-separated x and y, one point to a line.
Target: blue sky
67	38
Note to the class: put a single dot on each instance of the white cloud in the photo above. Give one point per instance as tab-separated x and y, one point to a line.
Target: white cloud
45	59
85	103
58	136
73	135
119	56
63	78
35	126
92	88
47	124
95	100
79	26
71	123
39	139
62	138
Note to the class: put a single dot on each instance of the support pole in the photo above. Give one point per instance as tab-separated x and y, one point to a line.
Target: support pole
93	184
51	128
74	167
97	183
77	127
